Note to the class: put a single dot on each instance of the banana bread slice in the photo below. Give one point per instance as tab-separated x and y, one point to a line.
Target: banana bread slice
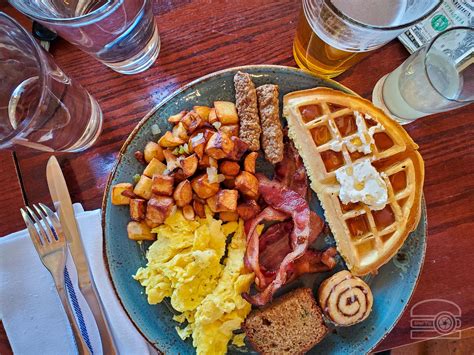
291	324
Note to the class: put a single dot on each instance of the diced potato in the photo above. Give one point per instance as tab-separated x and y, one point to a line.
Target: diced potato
224	200
202	111
168	140
162	185
213	163
188	213
143	187
229	168
153	150
203	188
239	149
137	209
247	184
204	162
171	160
154	167
189	165
117	197
212	116
180	131
248	209
228	216
139	231
176	118
158	209
250	162
231	130
197	143
226	112
192	121
199	209
183	194
219	145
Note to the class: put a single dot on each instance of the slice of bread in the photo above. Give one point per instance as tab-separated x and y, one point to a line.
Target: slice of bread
291	324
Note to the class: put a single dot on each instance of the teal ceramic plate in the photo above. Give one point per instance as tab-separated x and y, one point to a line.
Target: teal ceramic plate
392	286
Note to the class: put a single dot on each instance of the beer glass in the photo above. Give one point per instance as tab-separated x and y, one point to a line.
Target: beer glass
40	106
436	78
122	34
333	35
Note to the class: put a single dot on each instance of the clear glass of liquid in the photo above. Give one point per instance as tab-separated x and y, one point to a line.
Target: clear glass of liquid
438	77
40	106
333	35
122	34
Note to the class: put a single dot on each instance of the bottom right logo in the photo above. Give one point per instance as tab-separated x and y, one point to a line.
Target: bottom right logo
435	317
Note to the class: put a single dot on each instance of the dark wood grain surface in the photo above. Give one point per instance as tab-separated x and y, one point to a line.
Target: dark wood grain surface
198	38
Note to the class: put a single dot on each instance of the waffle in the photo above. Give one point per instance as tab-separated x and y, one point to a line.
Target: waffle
323	125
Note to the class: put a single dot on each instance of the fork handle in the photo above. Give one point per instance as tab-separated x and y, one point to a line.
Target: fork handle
82	347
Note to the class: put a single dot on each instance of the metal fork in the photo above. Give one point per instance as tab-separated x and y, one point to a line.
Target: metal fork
50	243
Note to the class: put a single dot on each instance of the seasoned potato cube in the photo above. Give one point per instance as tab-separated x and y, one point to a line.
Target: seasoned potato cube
143	187
180	131
229	168
176	118
250	162
231	130
197	143
139	231
226	112
154	167
224	200
212	116
219	145
199	209
189	165
137	209
204	162
247	184
153	150
168	140
171	160
158	209
202	111
203	188
117	197
192	121
239	149
183	194
228	216
162	185
248	209
188	212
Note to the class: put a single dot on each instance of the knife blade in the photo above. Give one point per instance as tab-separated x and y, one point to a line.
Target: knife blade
62	202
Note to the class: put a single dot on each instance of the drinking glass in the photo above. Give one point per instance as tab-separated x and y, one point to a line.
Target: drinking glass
333	35
437	78
40	106
122	34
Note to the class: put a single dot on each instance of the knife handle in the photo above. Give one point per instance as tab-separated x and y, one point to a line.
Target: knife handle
93	300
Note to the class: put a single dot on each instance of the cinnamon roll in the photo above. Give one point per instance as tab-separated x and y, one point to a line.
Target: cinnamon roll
345	298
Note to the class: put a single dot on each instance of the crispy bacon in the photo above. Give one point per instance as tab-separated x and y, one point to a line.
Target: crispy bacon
290	203
291	171
313	261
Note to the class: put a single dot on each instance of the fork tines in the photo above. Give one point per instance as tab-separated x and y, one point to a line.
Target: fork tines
43	226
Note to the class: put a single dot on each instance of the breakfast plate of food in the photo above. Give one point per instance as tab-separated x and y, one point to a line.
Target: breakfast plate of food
262	209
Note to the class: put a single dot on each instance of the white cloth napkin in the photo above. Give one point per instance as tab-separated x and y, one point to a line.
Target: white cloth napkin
31	311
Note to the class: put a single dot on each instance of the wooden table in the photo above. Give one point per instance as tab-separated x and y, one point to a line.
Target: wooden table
198	38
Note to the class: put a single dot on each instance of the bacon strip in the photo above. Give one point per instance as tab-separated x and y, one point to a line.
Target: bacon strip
289	203
291	171
313	261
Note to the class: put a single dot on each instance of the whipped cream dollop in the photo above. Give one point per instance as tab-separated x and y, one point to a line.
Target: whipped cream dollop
361	182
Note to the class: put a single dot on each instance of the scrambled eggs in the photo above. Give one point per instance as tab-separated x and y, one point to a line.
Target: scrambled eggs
184	263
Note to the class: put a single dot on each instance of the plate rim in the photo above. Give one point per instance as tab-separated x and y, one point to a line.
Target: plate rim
163	102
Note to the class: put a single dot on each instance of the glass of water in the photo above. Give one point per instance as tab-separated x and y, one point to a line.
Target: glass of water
438	77
40	106
122	34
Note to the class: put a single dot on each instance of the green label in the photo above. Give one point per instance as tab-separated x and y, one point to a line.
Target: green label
439	23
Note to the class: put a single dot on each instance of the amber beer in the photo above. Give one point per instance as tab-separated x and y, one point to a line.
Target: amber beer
312	53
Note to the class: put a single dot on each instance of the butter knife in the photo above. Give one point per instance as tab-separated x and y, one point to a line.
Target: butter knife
62	202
